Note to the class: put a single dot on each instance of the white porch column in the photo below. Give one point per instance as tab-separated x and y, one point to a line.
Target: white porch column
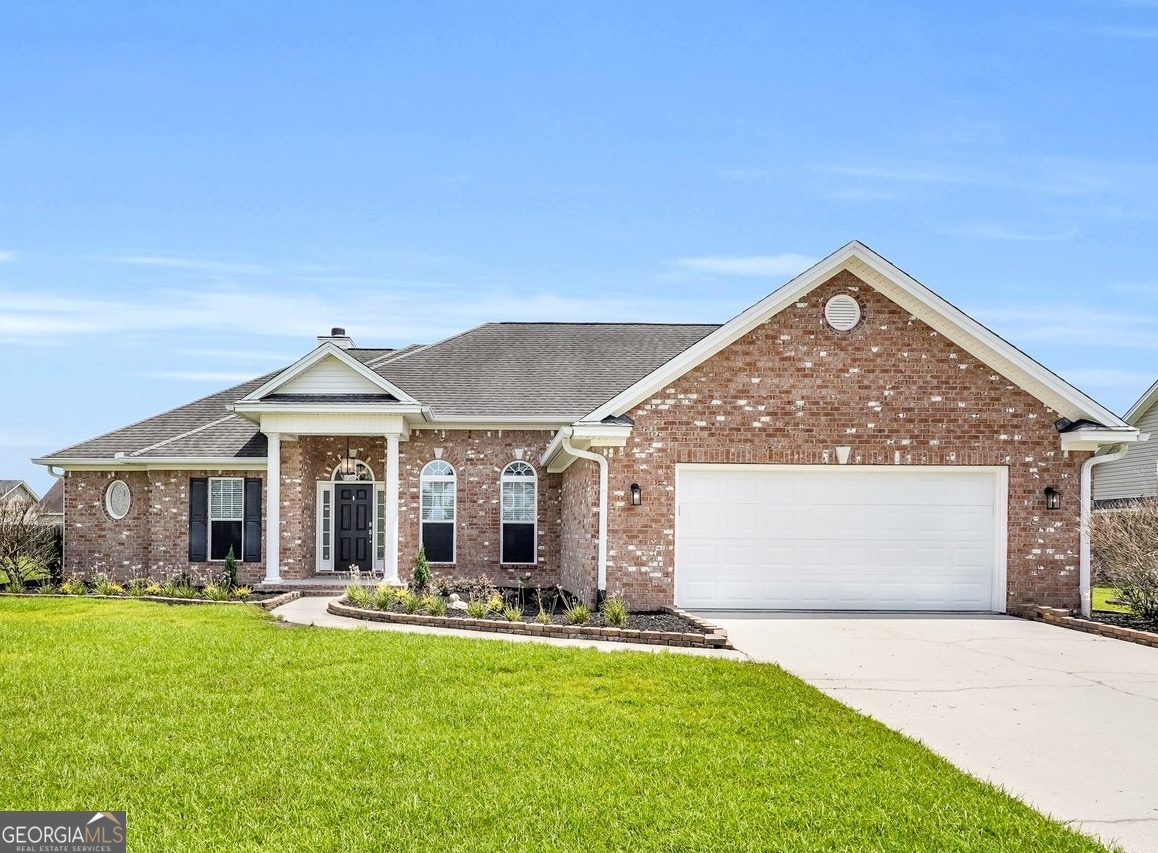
392	508
273	509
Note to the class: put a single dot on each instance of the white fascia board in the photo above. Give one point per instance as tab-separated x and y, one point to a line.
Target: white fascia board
261	408
1094	438
137	463
326	349
1142	406
902	288
530	424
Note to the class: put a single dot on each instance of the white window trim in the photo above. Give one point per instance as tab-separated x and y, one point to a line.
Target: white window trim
505	478
423	479
378	559
209	519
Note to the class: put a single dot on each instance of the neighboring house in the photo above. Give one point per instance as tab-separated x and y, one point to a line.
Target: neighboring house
51	506
17	492
1135	475
852	441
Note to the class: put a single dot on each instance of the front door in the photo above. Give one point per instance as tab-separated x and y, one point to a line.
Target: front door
353	529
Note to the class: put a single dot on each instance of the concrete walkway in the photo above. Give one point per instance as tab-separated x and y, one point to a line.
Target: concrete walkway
1066	721
311	610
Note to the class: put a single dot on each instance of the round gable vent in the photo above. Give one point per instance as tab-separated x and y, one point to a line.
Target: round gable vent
842	312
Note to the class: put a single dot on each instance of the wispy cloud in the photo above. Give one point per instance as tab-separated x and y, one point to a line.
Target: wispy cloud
765	265
993	231
220	267
233	355
1073	324
7	256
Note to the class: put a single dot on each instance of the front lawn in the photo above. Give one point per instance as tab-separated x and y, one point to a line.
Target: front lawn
1102	597
218	729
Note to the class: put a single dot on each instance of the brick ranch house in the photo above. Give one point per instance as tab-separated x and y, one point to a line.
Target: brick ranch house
852	441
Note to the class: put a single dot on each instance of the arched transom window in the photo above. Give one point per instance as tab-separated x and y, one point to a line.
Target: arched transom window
438	505
519	512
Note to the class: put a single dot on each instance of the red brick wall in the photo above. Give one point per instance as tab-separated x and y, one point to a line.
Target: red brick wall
152	540
892	388
579	562
478	457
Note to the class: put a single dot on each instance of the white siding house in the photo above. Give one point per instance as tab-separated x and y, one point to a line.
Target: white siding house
1136	474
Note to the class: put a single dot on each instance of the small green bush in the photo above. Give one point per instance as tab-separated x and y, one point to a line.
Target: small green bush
104	586
614	611
358	595
436	606
495	603
216	592
577	614
137	587
476	609
412	604
513	614
242	592
543	617
421	578
230	569
46	588
383	597
73	586
153	588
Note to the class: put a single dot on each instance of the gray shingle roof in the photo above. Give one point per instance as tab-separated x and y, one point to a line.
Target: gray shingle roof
530	369
499	370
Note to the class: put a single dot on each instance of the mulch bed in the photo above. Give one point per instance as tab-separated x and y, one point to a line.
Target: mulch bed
653	621
1125	620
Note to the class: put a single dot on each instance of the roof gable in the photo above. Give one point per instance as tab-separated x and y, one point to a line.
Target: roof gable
326	371
910	294
1144	404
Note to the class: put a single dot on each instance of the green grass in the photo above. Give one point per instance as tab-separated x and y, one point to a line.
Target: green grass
1101	596
218	729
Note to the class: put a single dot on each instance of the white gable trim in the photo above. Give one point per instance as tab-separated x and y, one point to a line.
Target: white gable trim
1139	409
907	292
326	350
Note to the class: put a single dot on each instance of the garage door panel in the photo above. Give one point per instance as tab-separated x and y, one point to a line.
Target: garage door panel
793	537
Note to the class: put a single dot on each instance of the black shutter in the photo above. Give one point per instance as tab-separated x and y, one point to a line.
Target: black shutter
198	520
252	520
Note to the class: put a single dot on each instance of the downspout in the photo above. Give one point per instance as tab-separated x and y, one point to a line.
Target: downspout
601	579
1085	573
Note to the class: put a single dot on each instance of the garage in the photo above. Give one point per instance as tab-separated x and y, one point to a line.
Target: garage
840	537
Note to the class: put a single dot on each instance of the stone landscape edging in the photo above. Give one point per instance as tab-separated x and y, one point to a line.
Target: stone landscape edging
1063	619
717	639
266	604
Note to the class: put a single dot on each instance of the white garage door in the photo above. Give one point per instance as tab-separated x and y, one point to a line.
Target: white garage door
811	537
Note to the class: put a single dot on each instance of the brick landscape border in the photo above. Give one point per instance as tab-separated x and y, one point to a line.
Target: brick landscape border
267	604
1063	619
716	638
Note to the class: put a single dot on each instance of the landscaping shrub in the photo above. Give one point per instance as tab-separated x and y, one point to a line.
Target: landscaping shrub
476	609
242	593
230	569
436	606
103	586
421	578
358	595
382	597
138	587
216	592
513	614
614	611
577	614
73	586
1125	551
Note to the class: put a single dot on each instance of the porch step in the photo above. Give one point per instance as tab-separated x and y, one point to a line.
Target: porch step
326	590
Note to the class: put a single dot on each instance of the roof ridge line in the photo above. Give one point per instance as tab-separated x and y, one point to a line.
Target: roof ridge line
186	434
395	355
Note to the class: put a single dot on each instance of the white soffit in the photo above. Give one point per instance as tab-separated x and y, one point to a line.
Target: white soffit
910	294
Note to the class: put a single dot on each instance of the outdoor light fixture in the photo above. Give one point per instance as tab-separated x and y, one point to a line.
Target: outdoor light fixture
636	494
349	467
1052	498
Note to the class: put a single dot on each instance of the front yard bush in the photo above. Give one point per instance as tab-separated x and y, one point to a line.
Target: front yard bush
1125	552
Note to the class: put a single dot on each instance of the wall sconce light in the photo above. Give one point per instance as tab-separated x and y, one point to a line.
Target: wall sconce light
636	494
1052	498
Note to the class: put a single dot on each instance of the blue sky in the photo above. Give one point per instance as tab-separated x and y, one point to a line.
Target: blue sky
189	193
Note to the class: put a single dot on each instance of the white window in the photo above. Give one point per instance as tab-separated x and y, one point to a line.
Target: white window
519	487
437	511
226	517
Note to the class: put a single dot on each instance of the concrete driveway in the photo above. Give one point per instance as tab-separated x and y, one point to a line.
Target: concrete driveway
1066	721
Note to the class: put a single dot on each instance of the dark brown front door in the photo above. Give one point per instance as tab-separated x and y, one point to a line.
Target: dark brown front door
354	526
